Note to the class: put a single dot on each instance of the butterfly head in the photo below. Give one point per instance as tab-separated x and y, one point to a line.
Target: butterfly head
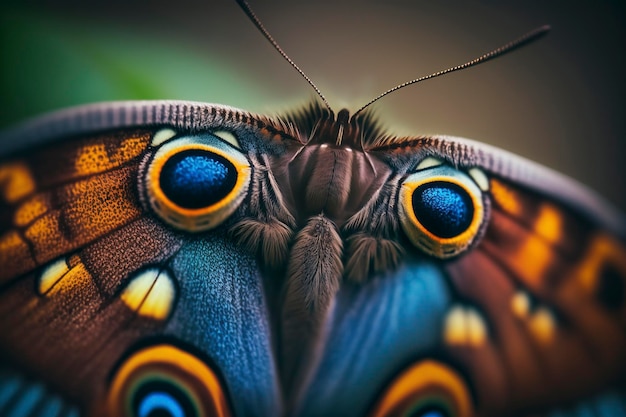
339	132
331	164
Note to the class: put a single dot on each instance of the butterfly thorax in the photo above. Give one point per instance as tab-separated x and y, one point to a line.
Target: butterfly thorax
331	173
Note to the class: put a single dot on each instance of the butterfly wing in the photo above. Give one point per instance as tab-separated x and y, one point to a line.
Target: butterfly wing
106	303
556	263
134	296
529	317
556	288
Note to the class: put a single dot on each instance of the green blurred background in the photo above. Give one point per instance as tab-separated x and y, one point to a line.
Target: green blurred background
560	101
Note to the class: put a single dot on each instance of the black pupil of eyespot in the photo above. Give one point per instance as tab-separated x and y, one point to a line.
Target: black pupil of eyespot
443	208
196	178
161	399
428	412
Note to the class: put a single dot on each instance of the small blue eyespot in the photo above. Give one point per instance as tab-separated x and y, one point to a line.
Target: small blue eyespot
196	178
158	398
443	208
157	404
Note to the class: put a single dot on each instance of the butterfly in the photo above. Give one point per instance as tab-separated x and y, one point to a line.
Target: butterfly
188	259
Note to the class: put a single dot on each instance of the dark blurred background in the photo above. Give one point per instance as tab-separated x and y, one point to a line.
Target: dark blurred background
560	101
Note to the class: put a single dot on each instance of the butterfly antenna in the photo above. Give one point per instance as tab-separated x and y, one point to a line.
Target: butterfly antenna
517	43
246	8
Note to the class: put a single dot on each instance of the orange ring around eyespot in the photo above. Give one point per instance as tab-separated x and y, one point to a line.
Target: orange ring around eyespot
191	217
428	377
186	369
458	242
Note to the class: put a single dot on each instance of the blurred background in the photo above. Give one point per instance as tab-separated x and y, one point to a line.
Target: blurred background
560	101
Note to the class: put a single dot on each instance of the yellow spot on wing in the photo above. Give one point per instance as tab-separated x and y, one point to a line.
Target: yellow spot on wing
455	328
16	181
63	276
52	274
476	328
151	293
543	324
464	326
227	137
429	162
505	198
540	321
162	135
479	178
520	304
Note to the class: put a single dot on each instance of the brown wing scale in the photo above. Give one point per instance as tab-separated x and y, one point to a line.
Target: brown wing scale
540	277
72	231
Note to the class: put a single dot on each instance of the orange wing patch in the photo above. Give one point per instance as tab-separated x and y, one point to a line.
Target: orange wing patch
100	157
31	209
16	181
65	196
505	198
603	251
72	160
602	273
89	209
535	256
552	286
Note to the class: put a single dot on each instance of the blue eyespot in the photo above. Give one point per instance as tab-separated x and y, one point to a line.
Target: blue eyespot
426	389
163	380
196	178
443	208
194	183
160	403
162	399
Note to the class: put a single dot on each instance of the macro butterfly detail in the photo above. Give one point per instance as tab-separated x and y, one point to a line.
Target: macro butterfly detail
174	258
